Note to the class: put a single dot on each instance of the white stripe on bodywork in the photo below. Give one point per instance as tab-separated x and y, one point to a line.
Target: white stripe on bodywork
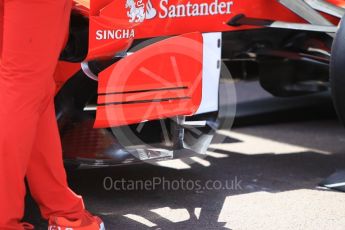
210	72
304	27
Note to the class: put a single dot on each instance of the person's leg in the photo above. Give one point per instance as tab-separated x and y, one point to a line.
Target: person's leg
33	34
1	24
46	174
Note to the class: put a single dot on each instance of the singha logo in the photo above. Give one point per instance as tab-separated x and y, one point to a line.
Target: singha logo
136	12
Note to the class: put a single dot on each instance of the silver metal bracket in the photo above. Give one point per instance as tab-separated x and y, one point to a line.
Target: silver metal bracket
87	71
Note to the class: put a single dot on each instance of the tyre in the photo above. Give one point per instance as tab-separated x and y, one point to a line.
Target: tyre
337	70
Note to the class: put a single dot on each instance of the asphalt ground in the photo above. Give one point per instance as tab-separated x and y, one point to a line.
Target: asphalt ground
264	176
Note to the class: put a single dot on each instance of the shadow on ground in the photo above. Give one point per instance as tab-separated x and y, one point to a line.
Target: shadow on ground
303	167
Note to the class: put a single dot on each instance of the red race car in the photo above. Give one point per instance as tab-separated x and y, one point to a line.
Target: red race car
139	80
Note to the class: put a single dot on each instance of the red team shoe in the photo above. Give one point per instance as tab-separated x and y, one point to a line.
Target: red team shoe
89	222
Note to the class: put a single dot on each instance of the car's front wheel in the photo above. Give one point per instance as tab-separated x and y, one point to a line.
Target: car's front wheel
338	71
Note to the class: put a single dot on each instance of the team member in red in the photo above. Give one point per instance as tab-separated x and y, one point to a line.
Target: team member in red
32	34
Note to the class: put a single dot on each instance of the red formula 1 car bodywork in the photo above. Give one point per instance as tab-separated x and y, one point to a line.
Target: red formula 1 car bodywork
176	75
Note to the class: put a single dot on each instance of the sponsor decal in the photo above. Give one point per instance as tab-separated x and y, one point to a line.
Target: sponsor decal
193	10
115	34
137	12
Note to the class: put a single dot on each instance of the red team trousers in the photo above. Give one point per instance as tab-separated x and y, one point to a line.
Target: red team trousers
33	33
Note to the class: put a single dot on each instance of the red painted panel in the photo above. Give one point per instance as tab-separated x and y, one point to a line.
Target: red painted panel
153	73
340	3
135	113
115	23
111	21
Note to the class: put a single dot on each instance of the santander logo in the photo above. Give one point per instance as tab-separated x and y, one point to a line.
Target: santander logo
137	12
